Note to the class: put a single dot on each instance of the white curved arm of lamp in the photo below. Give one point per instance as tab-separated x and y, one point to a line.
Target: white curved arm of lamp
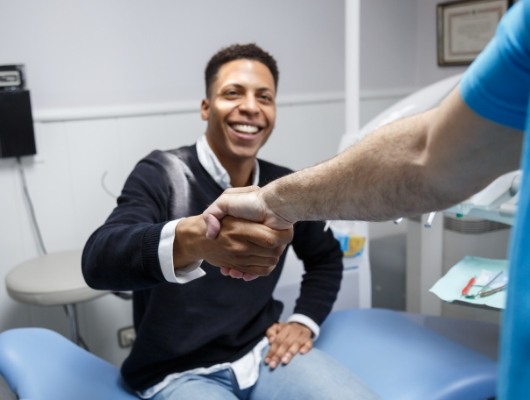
419	101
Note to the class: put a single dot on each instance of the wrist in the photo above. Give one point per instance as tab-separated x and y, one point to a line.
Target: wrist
276	204
309	332
186	246
307	322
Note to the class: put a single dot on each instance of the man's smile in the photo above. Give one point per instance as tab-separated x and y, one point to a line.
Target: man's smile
245	128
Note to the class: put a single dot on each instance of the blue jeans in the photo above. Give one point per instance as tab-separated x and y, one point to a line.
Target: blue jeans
313	376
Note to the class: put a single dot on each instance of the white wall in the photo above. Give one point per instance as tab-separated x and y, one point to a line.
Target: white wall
111	80
398	51
398	45
98	52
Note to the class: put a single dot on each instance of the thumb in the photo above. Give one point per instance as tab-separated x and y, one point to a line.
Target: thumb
213	225
219	209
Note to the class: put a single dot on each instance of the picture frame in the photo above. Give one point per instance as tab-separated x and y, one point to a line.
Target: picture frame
465	27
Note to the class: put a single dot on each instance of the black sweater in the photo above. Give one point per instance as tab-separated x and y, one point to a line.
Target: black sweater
212	319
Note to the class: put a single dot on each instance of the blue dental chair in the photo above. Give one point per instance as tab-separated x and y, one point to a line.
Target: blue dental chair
398	356
405	356
40	364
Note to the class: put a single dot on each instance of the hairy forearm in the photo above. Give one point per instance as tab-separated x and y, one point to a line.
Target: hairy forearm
366	182
424	163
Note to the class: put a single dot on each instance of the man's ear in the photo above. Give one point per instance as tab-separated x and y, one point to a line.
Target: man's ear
205	109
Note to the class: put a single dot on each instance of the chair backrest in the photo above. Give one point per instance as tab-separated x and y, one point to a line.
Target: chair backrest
403	359
39	364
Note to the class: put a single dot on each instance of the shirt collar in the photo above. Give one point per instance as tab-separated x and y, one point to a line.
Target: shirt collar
213	166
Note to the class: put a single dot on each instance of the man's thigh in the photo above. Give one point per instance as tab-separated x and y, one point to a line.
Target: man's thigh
312	376
217	386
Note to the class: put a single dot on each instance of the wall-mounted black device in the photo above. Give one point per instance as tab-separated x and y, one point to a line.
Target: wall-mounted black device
17	137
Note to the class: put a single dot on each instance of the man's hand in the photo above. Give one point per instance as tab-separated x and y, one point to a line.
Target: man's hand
287	340
246	203
246	249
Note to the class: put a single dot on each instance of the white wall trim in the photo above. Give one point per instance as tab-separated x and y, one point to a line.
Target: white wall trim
113	111
47	115
150	109
311	98
375	94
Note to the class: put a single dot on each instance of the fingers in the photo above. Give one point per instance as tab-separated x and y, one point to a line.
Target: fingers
234	273
246	249
271	333
286	341
229	203
304	349
213	225
243	203
248	270
246	203
247	276
269	238
284	354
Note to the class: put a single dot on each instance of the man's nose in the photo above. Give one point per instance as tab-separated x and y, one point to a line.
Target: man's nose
249	104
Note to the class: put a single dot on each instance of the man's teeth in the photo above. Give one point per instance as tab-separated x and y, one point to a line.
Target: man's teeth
245	128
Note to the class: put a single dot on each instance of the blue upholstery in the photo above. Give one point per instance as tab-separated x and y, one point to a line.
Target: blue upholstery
396	357
39	364
400	359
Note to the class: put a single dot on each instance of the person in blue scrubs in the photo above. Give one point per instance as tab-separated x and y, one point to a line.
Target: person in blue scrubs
424	163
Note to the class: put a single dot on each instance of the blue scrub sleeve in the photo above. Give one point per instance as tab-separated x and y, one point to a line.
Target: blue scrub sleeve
496	85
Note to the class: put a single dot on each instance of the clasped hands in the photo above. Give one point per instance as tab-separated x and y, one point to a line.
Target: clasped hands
247	203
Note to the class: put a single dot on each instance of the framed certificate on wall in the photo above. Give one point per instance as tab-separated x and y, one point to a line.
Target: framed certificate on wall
465	27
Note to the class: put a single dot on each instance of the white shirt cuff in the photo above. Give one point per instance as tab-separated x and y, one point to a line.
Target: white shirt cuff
304	320
165	257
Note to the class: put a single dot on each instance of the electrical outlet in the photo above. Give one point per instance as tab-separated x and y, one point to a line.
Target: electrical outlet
126	336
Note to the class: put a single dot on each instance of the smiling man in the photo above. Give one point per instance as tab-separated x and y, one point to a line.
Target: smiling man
200	334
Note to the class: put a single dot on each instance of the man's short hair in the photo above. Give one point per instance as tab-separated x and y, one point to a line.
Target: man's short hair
234	52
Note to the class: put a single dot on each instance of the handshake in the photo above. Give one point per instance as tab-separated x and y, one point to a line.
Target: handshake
252	204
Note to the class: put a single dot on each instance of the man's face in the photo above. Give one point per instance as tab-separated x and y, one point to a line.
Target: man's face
240	110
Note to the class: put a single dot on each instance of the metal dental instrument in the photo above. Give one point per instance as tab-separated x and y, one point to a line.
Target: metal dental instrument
487	285
493	291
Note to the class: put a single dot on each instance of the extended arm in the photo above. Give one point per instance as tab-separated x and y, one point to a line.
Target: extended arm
422	163
123	254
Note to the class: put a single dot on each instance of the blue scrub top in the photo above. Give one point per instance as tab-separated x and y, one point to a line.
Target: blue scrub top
497	87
